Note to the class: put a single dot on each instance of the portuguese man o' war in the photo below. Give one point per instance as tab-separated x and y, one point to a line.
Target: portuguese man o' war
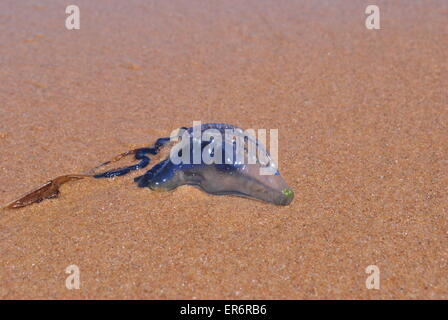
204	156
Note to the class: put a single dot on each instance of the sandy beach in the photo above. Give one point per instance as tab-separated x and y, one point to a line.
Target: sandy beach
363	140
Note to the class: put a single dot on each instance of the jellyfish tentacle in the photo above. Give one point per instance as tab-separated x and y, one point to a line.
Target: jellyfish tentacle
139	154
50	189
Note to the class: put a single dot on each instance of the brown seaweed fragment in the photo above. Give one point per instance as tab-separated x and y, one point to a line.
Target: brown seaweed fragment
48	190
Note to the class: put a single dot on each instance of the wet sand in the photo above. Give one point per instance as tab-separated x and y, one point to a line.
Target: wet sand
362	118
